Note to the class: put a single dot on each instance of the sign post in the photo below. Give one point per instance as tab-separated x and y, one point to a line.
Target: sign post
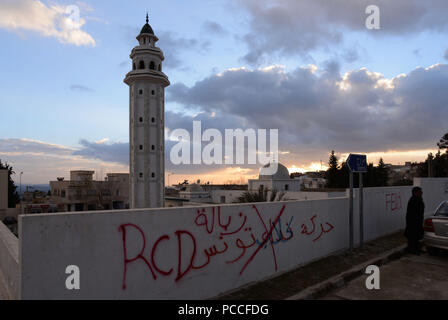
350	218
357	163
361	212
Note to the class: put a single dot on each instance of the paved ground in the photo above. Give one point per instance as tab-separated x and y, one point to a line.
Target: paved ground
295	281
3	292
409	278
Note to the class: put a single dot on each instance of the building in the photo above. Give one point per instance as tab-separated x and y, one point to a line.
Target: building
195	193
280	180
82	193
402	174
310	180
147	85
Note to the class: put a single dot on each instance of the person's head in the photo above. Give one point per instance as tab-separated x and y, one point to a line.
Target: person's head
417	191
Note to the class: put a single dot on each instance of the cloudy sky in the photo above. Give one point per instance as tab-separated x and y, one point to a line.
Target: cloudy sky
309	68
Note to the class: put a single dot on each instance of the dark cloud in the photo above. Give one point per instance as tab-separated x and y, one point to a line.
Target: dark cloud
174	46
291	27
125	64
320	110
81	88
214	28
32	146
112	152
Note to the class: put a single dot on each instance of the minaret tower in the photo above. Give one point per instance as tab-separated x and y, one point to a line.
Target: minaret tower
147	85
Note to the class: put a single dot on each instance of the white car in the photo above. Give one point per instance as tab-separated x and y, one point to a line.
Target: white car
436	229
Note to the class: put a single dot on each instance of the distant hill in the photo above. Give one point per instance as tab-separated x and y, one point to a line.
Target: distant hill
32	187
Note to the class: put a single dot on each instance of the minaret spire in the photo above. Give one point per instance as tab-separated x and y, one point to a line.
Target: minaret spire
147	85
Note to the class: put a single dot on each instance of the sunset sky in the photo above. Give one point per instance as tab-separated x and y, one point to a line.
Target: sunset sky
309	68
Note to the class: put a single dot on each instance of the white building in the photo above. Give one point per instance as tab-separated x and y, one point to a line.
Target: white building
280	180
308	182
147	85
195	193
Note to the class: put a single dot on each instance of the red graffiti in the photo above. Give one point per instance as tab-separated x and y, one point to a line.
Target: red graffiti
268	236
231	231
393	201
122	228
153	251
323	230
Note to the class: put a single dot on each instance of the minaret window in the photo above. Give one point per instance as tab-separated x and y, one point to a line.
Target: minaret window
152	65
160	67
141	65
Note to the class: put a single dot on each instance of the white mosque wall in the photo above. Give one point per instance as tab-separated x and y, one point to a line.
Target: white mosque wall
279	185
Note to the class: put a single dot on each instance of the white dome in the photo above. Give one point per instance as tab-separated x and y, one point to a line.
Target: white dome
194	188
281	174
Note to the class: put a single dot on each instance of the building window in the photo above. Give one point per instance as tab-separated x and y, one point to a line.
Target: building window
133	66
153	92
140	175
152	65
153	175
141	64
160	67
153	120
141	119
63	194
153	147
141	147
140	91
286	187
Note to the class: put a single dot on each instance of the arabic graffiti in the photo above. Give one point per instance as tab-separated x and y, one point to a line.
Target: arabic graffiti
232	236
322	231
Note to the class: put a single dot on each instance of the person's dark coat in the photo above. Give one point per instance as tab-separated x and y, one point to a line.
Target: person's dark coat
414	218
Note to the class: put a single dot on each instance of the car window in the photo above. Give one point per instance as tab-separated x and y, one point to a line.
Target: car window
443	210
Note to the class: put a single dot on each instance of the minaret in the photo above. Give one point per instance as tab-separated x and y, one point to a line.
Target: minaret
147	85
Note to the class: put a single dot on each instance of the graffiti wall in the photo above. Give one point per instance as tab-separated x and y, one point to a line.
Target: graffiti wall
384	211
175	253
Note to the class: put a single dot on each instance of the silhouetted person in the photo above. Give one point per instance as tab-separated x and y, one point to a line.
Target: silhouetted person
414	220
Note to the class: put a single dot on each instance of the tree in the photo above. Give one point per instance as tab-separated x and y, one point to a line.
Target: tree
443	143
13	196
382	174
434	166
260	196
332	172
338	175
